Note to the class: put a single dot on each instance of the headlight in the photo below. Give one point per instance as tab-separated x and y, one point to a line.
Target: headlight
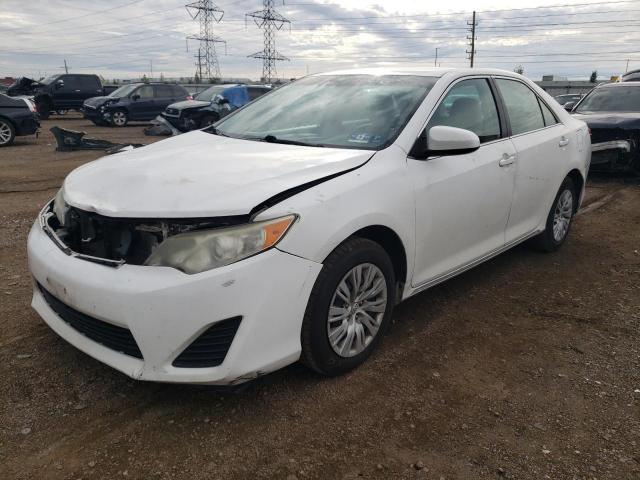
202	250
60	206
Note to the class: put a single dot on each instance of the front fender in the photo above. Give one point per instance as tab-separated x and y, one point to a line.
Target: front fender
379	193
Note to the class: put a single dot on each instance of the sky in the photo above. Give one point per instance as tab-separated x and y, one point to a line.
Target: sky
129	38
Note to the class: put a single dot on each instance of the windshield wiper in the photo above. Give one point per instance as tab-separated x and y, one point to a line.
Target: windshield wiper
284	141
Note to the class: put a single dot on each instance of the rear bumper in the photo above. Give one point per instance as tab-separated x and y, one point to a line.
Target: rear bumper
27	124
166	310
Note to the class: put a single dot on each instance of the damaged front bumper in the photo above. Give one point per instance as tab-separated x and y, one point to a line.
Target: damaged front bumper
166	310
615	156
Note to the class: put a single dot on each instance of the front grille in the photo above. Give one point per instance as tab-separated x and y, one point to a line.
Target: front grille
210	348
104	333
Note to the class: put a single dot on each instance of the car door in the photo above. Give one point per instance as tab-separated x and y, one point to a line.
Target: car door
64	92
142	103
462	202
165	96
540	141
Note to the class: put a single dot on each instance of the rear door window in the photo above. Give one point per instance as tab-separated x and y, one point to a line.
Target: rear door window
164	91
547	114
522	106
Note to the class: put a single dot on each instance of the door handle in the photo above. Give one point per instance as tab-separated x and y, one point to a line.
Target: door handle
507	159
564	141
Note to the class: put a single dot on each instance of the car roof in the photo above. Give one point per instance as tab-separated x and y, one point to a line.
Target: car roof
628	83
422	71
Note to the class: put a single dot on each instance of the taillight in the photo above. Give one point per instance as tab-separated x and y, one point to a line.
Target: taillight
589	131
189	97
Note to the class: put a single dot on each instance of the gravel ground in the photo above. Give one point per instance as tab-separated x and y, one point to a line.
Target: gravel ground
525	367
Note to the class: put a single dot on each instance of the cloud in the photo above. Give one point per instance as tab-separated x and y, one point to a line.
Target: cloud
122	40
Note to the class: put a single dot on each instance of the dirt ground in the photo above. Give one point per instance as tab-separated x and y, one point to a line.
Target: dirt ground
526	367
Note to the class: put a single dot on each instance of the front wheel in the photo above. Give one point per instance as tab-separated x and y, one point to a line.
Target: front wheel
7	133
44	109
349	307
120	118
559	219
208	120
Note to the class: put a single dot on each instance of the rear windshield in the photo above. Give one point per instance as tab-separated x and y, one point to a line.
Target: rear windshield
612	99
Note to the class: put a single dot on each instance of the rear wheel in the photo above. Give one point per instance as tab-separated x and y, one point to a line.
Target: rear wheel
559	219
120	118
349	307
7	133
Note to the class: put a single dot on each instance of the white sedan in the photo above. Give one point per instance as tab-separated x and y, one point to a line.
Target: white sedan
290	230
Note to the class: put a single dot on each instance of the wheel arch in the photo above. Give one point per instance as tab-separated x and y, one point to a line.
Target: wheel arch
578	181
390	241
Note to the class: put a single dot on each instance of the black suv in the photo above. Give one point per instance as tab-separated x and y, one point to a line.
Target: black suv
135	101
65	91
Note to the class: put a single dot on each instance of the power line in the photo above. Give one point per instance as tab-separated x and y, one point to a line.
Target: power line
270	21
207	13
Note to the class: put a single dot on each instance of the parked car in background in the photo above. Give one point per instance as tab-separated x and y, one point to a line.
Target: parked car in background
135	101
22	86
291	229
631	76
17	118
63	92
211	105
612	112
567	98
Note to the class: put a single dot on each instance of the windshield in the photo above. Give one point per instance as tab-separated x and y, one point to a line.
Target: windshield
352	111
208	94
49	79
612	99
123	91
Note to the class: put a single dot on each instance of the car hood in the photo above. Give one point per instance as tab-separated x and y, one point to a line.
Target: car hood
189	104
625	121
97	101
199	174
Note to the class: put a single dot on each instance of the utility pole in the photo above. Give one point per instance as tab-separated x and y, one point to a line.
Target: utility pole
199	65
435	62
207	13
269	20
66	68
151	69
472	39
627	67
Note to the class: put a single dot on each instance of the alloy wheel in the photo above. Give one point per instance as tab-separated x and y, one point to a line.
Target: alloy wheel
562	215
5	133
119	119
357	310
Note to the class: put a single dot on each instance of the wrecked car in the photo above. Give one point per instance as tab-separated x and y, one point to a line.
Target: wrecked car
135	101
631	76
22	86
17	118
290	229
612	112
211	105
63	92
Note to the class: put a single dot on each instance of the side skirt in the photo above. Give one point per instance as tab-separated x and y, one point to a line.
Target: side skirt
474	263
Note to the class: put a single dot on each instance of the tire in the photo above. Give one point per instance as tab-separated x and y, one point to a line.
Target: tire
43	109
62	111
334	358
120	118
7	133
559	219
208	120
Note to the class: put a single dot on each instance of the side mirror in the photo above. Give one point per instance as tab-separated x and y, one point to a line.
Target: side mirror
569	106
59	84
135	97
222	101
441	140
